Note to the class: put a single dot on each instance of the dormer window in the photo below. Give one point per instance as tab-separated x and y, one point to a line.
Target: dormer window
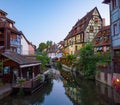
97	39
105	38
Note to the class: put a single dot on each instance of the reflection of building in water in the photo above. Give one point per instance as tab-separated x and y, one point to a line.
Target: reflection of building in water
108	94
73	92
88	92
34	99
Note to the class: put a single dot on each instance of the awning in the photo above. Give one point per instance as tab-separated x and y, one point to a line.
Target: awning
29	65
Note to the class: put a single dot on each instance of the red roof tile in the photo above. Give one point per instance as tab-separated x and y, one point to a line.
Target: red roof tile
81	24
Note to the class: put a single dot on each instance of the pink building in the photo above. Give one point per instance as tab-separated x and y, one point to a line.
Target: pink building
31	49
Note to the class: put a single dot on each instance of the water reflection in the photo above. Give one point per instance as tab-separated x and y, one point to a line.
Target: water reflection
91	93
68	92
34	99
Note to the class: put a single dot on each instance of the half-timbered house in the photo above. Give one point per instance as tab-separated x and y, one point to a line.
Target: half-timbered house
83	31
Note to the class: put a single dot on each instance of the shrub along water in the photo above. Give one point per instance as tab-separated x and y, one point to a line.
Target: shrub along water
87	61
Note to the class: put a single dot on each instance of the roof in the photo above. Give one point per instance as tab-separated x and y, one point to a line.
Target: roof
3	12
21	60
105	31
52	49
100	33
106	1
81	24
30	43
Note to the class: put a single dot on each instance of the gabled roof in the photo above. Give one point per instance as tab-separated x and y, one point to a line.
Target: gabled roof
52	49
81	24
21	60
106	1
9	20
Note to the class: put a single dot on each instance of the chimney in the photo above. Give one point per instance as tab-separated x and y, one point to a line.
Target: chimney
103	22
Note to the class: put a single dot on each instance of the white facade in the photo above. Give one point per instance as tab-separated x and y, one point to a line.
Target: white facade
24	46
51	55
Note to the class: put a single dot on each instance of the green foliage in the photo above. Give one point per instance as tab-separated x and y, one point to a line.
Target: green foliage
58	65
43	58
87	61
104	57
70	59
21	81
49	43
41	47
40	77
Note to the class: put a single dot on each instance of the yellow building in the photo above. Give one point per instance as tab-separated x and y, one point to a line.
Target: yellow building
83	31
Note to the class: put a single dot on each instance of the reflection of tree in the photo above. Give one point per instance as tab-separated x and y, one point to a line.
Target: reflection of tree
82	92
36	98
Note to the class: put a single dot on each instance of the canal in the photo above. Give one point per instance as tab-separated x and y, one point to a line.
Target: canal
67	91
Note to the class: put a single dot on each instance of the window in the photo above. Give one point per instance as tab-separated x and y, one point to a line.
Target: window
113	4
6	70
115	29
96	20
97	39
76	48
81	38
105	38
91	28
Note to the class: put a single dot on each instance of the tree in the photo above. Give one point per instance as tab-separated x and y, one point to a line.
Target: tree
70	59
87	61
104	58
42	46
49	43
44	59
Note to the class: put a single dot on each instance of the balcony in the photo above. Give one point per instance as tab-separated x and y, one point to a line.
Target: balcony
14	43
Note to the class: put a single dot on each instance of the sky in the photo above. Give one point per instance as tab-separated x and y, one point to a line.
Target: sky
49	20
